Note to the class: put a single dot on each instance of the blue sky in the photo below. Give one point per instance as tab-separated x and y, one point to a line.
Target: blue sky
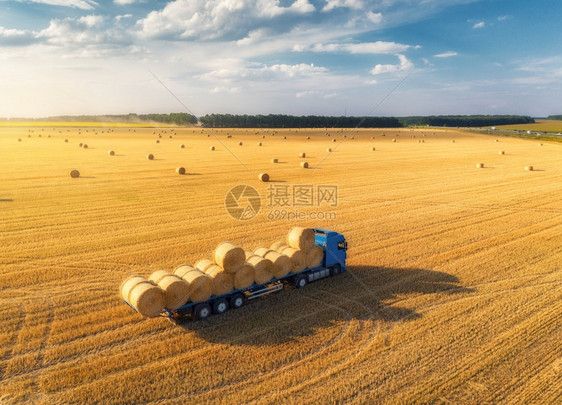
329	57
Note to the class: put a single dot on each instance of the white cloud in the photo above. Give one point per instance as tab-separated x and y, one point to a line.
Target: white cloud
122	17
124	2
503	17
216	19
352	4
374	17
405	64
81	4
378	47
13	37
229	90
263	72
480	24
446	54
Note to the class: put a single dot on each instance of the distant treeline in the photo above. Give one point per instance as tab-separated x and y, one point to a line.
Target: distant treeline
172	118
292	121
308	121
555	117
466	120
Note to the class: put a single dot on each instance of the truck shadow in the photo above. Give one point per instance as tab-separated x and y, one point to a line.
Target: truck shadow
365	293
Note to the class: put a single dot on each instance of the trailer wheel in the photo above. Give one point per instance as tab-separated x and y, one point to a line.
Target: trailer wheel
301	282
220	306
237	301
336	269
202	311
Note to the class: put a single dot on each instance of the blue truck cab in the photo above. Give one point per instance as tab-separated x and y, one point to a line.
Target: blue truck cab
334	246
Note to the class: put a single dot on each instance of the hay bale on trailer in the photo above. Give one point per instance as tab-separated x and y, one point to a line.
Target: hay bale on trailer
229	256
263	268
281	263
200	284
145	296
301	238
223	282
314	256
176	289
244	276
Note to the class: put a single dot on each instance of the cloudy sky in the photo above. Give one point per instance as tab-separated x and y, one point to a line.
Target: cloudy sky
325	57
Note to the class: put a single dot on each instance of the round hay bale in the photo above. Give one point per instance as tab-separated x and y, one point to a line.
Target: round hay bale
150	156
176	290
314	257
128	284
182	145
372	148
19	139
74	173
284	137
279	246
281	263
259	143
170	136
304	165
329	150
263	177
180	170
297	257
244	277
302	155
111	153
157	141
301	238
85	146
203	264
479	165
334	140
263	268
145	296
80	144
497	140
212	148
223	282
200	284
501	152
229	256
66	140
453	141
240	143
394	140
263	137
540	144
308	137
528	168
274	160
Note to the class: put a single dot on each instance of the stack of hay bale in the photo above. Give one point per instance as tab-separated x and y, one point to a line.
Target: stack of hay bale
231	268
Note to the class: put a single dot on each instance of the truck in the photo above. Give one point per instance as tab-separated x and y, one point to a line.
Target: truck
334	246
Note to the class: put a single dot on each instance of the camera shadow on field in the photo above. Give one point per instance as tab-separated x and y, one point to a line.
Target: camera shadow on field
361	293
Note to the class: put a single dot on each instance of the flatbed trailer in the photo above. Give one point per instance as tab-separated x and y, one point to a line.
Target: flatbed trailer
334	246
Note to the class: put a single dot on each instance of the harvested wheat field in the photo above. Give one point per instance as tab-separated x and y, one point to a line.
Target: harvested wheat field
453	292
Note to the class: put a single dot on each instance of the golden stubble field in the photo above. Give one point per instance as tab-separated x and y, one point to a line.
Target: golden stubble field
453	295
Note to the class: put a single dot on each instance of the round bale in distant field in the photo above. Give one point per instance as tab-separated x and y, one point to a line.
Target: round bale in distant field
229	256
259	143
158	141
372	148
479	165
66	140
212	148
240	143
74	173
497	140
334	140
540	144
274	160
284	137
80	144
182	145
308	137
176	290
304	165
85	146
180	170
111	153
264	177
528	168
329	150
150	156
501	152
19	139
453	141
394	140
302	155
